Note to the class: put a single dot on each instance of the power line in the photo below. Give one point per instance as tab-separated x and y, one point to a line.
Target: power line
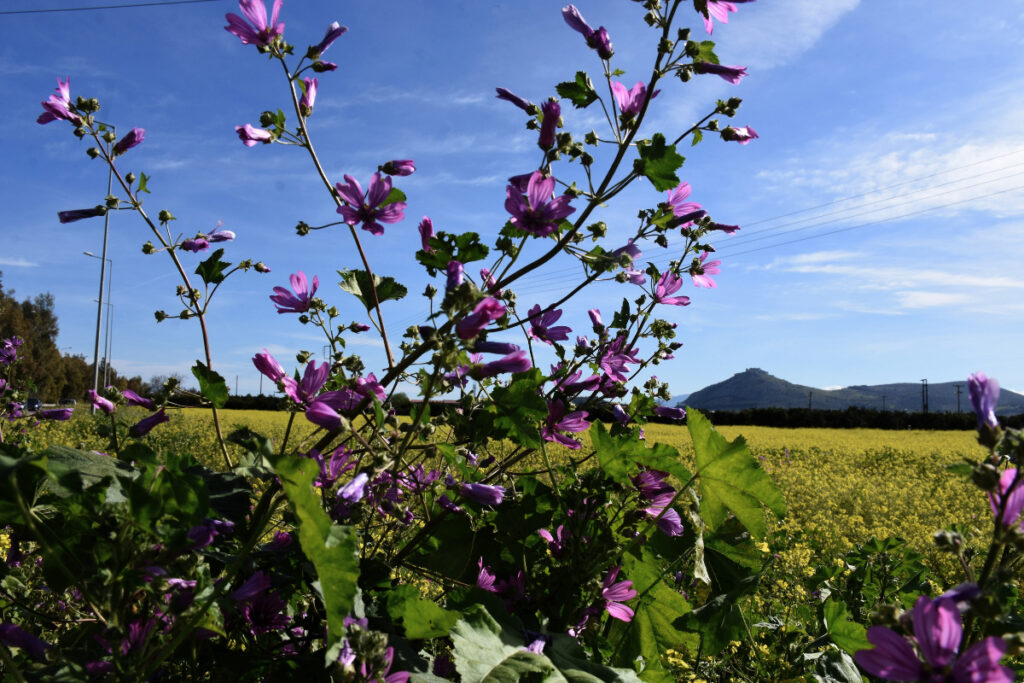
95	7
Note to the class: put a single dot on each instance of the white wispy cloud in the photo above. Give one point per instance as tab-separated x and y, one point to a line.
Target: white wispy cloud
778	32
17	262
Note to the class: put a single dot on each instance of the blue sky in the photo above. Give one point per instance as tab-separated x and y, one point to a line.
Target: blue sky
881	207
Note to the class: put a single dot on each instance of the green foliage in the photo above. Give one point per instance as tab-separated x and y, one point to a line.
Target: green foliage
212	269
445	247
420	618
579	91
847	634
332	549
659	163
211	385
730	479
518	407
358	283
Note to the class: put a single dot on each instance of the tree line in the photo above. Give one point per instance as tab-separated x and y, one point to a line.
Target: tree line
44	372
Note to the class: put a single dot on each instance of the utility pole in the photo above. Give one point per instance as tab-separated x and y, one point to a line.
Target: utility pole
236	385
958	396
924	396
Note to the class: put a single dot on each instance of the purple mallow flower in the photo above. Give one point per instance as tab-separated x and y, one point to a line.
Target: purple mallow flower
484	313
1011	489
670	413
195	245
984	396
732	74
550	111
597	40
99	402
631	101
287	302
560	420
701	276
543	328
426	229
59	106
334	31
13	635
249	135
669	283
615	360
133	399
400	167
454	270
269	366
78	214
556	542
58	414
145	425
517	361
937	631
537	213
134	137
218	235
741	135
483	494
313	379
257	30
309	88
614	594
525	105
719	9
368	210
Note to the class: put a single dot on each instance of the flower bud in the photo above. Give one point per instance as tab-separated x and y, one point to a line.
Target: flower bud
148	248
160	316
261	267
92	152
430	291
332	311
109	136
267	118
165	216
112	202
948	541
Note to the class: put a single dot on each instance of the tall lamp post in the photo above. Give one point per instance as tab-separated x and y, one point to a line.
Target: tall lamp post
109	276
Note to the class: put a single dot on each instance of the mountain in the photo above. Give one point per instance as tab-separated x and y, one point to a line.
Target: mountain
755	388
675	400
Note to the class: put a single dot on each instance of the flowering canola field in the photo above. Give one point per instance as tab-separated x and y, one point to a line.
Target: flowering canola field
880	483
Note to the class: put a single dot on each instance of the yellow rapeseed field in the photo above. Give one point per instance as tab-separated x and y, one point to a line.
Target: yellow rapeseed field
842	486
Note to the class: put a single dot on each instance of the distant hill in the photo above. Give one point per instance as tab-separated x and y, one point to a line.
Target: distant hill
675	400
755	388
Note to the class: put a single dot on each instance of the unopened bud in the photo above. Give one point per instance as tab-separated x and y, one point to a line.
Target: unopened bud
303	318
692	48
948	541
112	202
261	267
430	291
591	138
333	311
181	289
130	177
109	136
302	229
683	34
148	248
92	152
160	316
165	216
303	356
267	119
185	314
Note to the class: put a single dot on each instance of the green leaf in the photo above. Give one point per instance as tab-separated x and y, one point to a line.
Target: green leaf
481	643
357	282
395	195
730	479
211	385
565	653
463	247
421	618
697	137
617	455
621	318
658	611
659	162
333	549
143	179
212	269
707	52
847	634
518	408
580	91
